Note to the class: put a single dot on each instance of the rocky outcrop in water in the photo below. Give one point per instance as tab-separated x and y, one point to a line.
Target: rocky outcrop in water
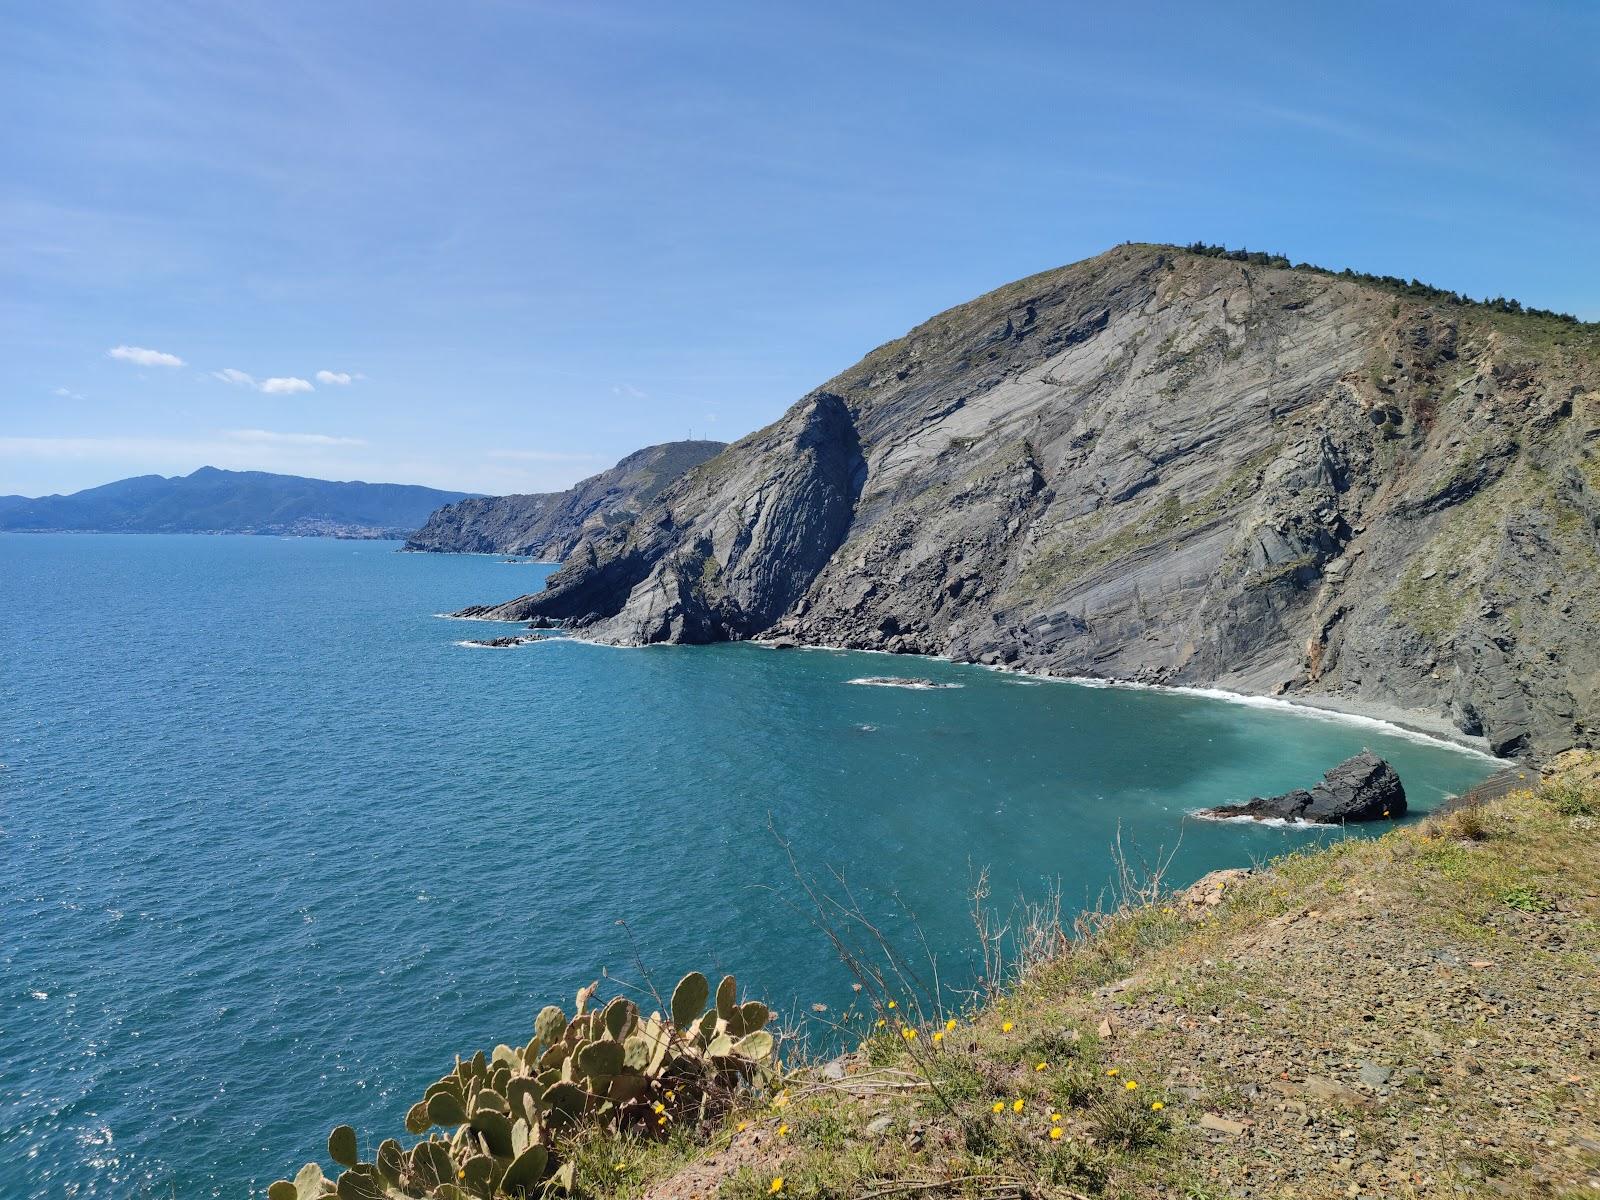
1361	788
547	525
1162	466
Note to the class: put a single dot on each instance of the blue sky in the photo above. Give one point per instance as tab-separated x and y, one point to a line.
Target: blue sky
536	236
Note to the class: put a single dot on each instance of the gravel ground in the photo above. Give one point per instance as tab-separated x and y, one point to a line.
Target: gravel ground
1416	1016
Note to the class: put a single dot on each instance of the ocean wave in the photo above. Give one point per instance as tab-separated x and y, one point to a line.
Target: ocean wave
919	685
1203	814
1278	704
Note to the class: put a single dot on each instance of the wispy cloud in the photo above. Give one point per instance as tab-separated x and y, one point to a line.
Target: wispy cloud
628	390
66	394
340	377
142	357
285	385
277	385
268	437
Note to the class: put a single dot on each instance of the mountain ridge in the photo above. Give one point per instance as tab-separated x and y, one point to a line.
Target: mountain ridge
1167	465
214	500
549	524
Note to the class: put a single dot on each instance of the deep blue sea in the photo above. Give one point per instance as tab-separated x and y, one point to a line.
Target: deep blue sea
274	846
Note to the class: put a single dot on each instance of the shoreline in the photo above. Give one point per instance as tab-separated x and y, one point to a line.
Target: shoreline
1375	714
1389	718
520	560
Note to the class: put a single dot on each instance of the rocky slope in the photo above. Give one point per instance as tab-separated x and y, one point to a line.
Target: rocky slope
549	524
1169	467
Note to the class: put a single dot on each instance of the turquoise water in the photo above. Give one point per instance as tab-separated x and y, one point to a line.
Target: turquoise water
275	846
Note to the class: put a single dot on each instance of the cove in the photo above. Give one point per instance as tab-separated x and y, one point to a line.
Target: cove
276	846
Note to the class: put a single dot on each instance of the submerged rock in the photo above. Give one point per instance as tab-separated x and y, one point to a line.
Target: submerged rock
1361	788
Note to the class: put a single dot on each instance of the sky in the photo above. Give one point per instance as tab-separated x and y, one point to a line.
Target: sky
494	245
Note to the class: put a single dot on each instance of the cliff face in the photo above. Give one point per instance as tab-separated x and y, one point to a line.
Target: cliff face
1168	467
549	524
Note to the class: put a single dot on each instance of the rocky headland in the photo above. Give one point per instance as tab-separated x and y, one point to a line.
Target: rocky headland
1166	466
1362	788
548	524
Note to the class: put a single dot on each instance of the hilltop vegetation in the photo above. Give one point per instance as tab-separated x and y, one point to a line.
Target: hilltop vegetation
1412	288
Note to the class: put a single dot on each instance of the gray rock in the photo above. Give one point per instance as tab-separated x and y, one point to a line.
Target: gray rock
1373	1075
1141	467
1362	788
547	525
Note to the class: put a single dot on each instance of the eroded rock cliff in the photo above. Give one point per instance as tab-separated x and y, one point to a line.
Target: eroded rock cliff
1169	467
549	524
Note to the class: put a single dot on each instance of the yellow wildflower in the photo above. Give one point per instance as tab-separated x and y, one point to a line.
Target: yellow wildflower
891	1004
1041	1066
782	1129
1006	1027
743	1125
881	1022
1111	1070
1016	1106
908	1033
659	1107
1055	1118
999	1106
1055	1133
950	1024
1130	1085
1156	1106
938	1036
775	1186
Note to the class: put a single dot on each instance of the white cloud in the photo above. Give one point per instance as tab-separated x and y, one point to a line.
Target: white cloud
280	385
139	356
277	385
267	437
66	394
629	391
339	377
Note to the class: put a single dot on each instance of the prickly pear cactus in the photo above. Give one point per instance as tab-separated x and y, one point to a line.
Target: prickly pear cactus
492	1127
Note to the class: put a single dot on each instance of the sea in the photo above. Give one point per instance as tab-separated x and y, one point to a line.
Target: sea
276	844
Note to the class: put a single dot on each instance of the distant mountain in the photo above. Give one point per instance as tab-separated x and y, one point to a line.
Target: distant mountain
216	501
549	524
